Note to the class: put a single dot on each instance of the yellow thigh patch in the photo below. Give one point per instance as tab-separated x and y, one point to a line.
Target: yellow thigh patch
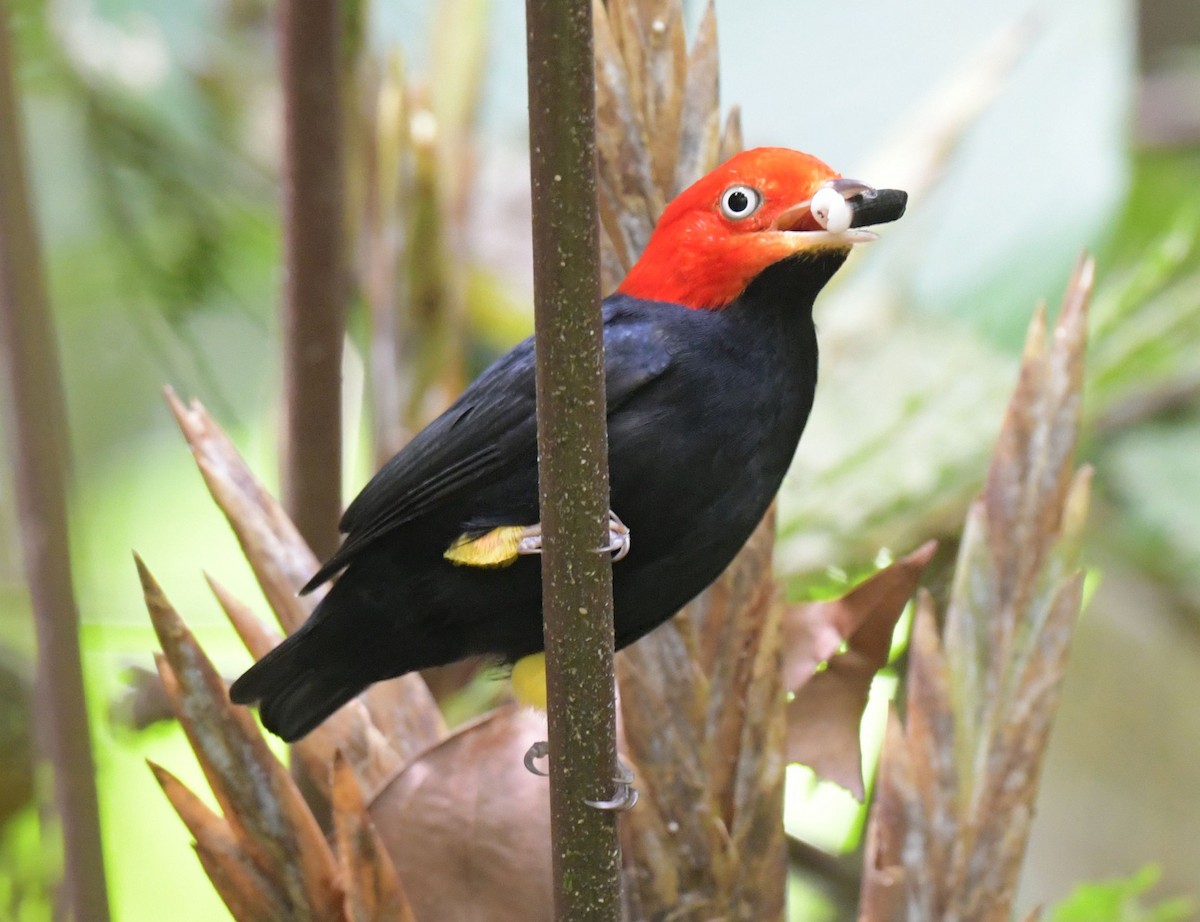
496	548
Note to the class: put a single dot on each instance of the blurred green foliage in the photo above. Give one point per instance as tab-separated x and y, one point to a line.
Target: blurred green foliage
1121	901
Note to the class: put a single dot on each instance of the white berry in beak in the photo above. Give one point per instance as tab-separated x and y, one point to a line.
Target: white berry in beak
831	210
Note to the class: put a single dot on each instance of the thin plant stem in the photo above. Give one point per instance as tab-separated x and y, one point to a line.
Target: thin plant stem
315	284
37	438
573	459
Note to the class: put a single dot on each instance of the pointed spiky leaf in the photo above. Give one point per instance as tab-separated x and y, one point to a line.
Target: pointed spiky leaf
257	636
276	552
247	893
885	877
957	787
628	200
707	835
700	125
731	137
402	710
349	730
257	795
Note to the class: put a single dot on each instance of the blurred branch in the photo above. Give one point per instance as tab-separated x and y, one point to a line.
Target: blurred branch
144	702
315	283
915	156
1173	397
16	735
572	458
37	436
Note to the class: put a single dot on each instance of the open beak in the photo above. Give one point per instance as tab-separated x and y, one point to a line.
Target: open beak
816	228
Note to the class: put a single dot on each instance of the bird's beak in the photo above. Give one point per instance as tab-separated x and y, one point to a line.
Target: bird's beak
867	206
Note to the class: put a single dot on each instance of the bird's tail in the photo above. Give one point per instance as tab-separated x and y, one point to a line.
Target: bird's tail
296	686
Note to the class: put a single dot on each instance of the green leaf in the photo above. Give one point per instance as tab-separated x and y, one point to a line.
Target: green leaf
1121	901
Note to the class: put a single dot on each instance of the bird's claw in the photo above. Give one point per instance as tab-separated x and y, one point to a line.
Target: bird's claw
618	539
626	795
531	540
538	750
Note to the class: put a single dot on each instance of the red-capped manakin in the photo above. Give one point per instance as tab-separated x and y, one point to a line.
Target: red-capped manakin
711	367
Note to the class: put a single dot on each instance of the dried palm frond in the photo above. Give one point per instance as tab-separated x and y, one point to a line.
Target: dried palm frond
403	712
385	761
658	120
958	781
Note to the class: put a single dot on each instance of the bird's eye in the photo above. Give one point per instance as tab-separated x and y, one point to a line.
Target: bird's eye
739	202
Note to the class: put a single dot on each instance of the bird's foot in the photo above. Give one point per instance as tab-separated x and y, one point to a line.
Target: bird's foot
618	539
625	796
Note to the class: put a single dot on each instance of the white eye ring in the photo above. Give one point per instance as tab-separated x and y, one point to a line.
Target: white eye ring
738	202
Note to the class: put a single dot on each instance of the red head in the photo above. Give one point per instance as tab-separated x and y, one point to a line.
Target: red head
726	228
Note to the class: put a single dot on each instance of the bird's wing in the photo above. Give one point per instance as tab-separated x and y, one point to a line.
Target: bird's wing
490	425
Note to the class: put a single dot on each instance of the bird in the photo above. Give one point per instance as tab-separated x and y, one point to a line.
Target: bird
710	356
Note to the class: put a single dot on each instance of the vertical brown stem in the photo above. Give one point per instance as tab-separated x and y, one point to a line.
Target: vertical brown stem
573	458
315	284
37	437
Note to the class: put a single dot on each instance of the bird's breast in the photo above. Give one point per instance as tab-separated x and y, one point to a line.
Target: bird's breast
695	482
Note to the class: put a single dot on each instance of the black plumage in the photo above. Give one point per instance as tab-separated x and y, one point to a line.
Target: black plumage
705	410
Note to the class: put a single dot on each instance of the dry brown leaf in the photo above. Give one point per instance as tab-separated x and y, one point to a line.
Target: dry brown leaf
373	891
731	138
1026	489
468	828
706	840
814	631
666	60
957	786
658	119
826	710
257	795
629	202
350	730
932	795
825	716
278	555
700	134
234	883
